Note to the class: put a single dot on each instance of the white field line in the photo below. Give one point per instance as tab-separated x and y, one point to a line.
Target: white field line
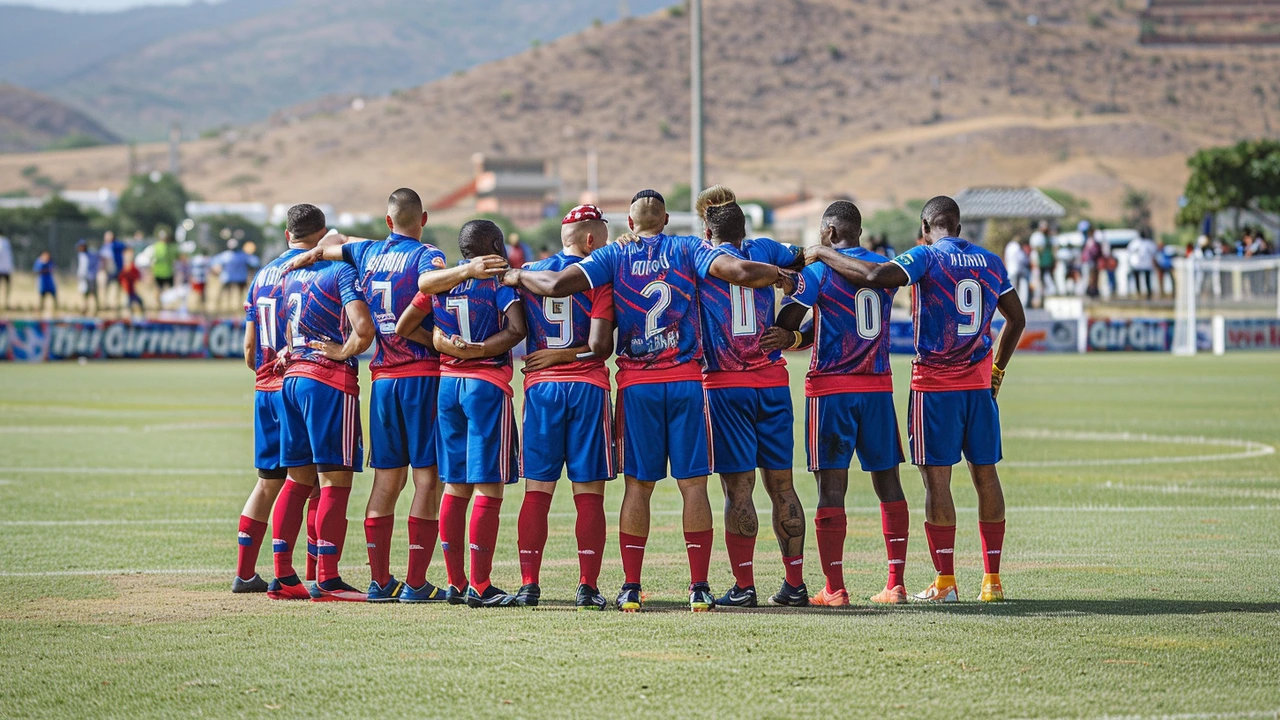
215	572
227	472
1246	448
119	429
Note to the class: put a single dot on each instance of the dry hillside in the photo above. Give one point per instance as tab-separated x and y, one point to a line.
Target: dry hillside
31	121
885	99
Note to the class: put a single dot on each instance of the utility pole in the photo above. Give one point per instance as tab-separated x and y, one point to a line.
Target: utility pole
697	178
175	140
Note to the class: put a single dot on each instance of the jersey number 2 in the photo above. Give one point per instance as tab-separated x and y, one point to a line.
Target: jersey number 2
662	292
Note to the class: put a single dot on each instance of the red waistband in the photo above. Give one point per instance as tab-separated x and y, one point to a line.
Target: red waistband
944	379
499	376
593	373
679	373
820	385
770	377
343	379
420	368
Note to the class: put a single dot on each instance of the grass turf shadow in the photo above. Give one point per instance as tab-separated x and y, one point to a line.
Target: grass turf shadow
1009	608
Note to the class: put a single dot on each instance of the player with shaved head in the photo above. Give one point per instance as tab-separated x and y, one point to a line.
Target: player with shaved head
661	406
568	416
955	378
749	400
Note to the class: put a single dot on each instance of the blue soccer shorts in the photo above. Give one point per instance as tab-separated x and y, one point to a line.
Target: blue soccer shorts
942	424
751	428
402	422
268	411
321	426
660	422
476	441
568	423
838	425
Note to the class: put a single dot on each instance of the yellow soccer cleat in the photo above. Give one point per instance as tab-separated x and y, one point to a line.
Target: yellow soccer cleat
896	595
943	590
991	590
827	598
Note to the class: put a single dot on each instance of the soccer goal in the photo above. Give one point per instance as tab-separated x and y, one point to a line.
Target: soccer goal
1226	303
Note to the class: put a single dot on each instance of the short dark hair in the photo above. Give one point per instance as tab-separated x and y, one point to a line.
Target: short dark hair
649	194
727	222
942	212
845	217
305	220
481	237
405	207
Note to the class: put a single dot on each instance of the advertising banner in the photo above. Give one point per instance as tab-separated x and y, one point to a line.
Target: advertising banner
1130	334
35	341
1253	334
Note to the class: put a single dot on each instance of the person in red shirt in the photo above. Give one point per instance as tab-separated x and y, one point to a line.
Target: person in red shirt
129	278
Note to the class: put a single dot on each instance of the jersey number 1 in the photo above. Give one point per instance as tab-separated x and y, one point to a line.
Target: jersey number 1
461	310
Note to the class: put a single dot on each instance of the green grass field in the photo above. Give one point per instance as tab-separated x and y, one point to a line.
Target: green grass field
1142	552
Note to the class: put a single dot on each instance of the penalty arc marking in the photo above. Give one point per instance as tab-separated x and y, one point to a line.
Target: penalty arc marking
1238	449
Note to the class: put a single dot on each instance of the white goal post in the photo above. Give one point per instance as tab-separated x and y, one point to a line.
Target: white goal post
1217	294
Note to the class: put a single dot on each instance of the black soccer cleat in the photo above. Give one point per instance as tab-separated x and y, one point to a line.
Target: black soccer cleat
789	596
629	599
528	595
491	597
590	598
456	595
739	597
254	584
700	598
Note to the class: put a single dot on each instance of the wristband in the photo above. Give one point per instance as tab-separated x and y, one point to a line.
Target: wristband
997	378
798	341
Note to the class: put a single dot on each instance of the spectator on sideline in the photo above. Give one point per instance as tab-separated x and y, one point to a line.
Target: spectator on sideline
1018	265
1164	266
199	272
87	277
518	251
233	266
112	253
1142	261
1090	257
164	259
1256	244
129	277
1042	262
44	273
6	267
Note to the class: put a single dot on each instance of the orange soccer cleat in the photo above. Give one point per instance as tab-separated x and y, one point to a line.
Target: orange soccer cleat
828	598
991	590
896	595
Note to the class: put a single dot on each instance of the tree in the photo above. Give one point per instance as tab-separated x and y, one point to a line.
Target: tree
217	229
900	225
1137	208
1245	176
151	201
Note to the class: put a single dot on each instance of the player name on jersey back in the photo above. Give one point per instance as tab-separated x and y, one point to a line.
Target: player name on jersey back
388	275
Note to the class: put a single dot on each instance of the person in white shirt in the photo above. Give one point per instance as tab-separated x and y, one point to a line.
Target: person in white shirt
1042	261
6	266
1018	265
1142	261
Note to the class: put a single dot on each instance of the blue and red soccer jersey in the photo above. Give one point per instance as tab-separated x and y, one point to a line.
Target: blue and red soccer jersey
388	273
734	317
321	397
477	441
655	299
958	286
850	384
266	309
568	417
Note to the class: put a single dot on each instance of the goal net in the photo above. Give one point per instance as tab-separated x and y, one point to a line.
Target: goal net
1226	303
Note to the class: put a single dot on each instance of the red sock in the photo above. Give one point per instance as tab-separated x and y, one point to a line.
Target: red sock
422	545
453	538
286	520
313	505
794	567
250	542
331	525
895	521
942	543
377	538
742	551
698	546
532	534
992	543
590	532
831	524
484	536
632	556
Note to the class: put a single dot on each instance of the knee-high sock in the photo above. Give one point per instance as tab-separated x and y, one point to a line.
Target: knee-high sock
331	525
249	543
742	550
286	520
895	521
590	531
422	546
453	538
942	543
992	544
632	556
484	536
698	547
532	531
313	506
831	524
377	539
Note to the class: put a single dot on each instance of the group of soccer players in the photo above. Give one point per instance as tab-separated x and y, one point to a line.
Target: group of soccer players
702	388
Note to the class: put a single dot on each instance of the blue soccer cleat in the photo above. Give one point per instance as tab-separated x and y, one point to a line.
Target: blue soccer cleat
700	598
789	596
456	595
739	597
428	593
629	598
388	594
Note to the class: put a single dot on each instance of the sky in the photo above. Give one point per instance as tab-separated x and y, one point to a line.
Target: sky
93	5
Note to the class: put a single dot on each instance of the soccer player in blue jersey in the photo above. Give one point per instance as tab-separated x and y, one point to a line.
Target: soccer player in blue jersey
849	392
568	415
264	340
329	325
402	407
749	400
662	411
476	325
955	379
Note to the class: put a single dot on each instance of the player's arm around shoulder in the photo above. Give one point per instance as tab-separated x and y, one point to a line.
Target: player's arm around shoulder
438	282
409	324
515	330
550	283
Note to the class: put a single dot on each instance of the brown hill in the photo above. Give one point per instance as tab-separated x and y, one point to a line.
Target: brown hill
888	100
31	121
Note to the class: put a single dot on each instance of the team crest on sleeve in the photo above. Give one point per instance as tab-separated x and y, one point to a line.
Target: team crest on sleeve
905	259
799	284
